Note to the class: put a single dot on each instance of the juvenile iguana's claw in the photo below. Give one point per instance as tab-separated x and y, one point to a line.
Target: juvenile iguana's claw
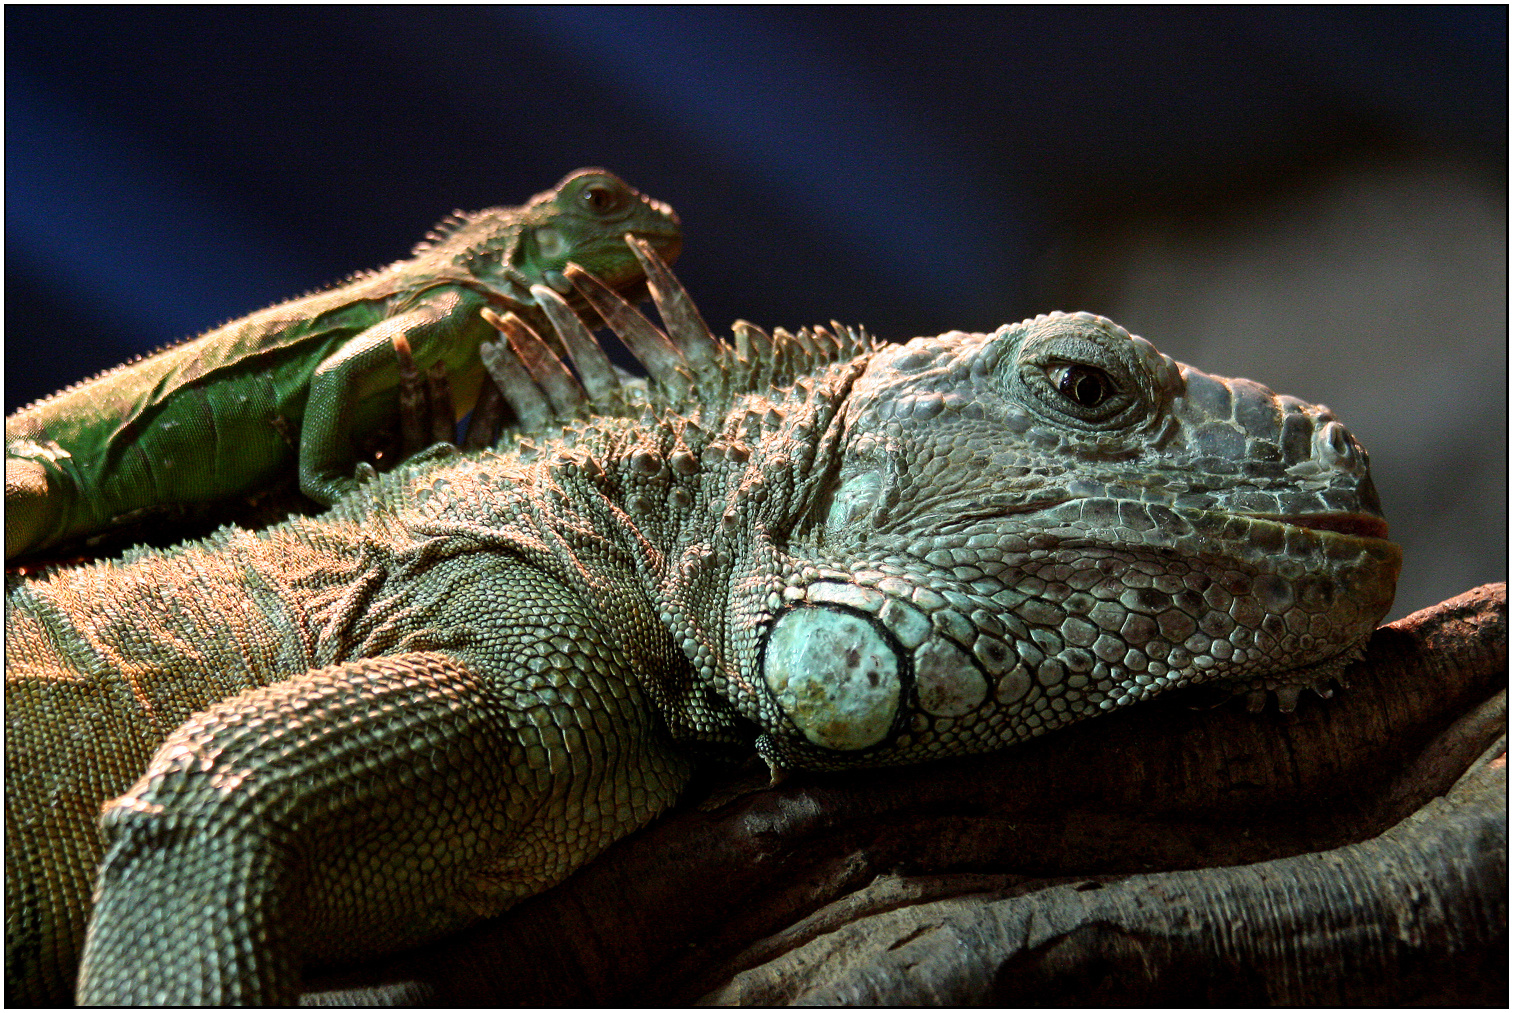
362	474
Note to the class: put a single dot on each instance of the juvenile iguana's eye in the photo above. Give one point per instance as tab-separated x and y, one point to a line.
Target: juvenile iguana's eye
1084	386
603	199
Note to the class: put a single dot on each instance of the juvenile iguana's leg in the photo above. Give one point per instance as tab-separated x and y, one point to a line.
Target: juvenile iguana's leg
427	414
444	328
414	401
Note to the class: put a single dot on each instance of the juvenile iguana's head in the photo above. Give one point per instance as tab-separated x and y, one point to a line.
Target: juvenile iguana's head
1034	526
583	219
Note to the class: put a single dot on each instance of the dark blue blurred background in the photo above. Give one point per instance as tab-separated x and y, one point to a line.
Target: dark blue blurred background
1313	197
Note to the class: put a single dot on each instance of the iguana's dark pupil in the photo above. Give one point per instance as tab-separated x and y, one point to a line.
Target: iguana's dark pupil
1085	385
599	198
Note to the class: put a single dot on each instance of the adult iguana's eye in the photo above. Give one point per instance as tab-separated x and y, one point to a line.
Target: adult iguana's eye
603	199
1084	386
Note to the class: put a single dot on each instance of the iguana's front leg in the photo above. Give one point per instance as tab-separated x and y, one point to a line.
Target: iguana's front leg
443	329
264	822
368	806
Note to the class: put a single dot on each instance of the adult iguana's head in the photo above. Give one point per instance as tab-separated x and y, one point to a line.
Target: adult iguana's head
884	554
1033	526
583	219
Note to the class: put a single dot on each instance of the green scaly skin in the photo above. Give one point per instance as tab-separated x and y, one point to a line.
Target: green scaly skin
350	733
299	385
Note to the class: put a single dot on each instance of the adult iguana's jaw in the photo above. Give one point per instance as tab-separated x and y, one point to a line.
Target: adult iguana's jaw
1349	524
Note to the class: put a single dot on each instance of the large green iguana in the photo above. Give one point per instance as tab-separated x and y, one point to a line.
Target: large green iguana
227	413
349	733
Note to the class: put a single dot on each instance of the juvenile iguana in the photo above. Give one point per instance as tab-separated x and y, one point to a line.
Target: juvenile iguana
295	385
345	734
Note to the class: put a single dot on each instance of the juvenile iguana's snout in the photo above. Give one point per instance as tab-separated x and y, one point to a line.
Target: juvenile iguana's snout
1054	520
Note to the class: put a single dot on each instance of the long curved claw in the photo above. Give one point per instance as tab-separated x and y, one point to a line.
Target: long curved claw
662	359
600	380
685	326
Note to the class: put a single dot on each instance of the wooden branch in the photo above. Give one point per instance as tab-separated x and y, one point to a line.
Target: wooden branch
1413	916
1110	862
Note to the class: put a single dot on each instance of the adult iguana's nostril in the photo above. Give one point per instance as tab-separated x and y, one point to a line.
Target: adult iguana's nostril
1337	448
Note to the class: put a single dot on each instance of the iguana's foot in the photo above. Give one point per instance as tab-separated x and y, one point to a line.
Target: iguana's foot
327	489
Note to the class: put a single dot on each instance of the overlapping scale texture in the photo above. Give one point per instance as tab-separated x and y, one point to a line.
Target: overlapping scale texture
1035	560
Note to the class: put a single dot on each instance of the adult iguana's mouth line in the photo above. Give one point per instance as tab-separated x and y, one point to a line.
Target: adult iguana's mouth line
1354	525
962	520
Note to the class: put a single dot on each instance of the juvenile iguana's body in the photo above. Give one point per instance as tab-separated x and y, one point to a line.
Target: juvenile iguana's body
348	733
293	386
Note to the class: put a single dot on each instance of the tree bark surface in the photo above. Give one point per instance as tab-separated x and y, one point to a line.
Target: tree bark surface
1352	852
